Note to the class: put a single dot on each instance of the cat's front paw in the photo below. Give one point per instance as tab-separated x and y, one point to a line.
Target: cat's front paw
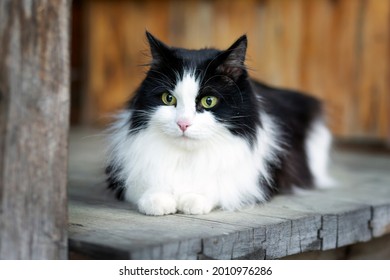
157	204
195	204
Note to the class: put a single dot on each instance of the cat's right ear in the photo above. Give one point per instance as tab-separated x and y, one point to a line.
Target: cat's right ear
233	59
158	49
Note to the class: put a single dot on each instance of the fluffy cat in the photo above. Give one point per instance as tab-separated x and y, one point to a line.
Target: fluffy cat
199	134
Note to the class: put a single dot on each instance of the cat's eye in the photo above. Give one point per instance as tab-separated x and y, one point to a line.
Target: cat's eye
208	102
168	99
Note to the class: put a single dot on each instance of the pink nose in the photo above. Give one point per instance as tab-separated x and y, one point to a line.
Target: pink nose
183	125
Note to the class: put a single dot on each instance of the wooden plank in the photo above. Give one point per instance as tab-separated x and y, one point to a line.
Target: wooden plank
376	249
116	49
375	194
372	81
242	244
333	224
106	59
121	231
348	222
355	212
275	233
34	112
297	219
267	232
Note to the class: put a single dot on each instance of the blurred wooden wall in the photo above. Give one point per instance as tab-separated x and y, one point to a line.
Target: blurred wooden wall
338	50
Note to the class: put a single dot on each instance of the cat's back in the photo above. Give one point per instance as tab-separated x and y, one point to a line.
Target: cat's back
300	121
292	109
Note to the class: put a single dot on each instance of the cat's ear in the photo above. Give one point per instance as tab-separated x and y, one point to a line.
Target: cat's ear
233	59
158	49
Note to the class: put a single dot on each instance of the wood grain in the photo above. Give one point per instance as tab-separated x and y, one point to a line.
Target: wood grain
34	112
100	227
285	226
335	50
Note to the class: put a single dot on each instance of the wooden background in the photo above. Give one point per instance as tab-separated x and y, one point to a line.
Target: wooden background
338	50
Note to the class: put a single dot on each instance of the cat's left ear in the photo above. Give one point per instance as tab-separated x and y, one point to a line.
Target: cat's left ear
233	63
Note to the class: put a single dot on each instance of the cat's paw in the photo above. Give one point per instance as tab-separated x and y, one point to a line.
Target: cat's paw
195	204
157	204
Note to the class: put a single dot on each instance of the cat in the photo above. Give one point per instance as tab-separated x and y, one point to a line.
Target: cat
200	134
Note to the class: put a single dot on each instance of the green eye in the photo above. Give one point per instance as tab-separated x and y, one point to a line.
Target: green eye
208	102
168	99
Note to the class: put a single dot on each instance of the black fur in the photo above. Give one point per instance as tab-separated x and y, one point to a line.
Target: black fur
223	74
294	112
114	183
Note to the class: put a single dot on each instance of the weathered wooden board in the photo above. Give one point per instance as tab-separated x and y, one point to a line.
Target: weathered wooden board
356	211
271	231
239	244
336	229
34	105
125	231
375	249
375	195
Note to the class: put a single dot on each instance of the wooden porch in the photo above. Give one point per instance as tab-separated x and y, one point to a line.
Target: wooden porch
350	73
358	211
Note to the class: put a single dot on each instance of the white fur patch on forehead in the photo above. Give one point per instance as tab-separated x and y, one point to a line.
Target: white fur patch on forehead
187	87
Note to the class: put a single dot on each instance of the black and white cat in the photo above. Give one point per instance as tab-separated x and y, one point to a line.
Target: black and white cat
200	134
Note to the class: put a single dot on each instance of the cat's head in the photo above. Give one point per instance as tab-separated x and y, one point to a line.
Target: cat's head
192	96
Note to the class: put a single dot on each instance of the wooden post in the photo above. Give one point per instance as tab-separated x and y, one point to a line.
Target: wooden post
34	112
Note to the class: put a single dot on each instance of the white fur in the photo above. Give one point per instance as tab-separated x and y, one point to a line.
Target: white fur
318	144
167	170
157	203
185	92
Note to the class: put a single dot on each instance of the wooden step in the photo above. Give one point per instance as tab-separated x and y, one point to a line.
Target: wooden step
103	228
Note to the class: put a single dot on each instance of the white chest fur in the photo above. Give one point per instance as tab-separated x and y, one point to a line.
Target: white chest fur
223	170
